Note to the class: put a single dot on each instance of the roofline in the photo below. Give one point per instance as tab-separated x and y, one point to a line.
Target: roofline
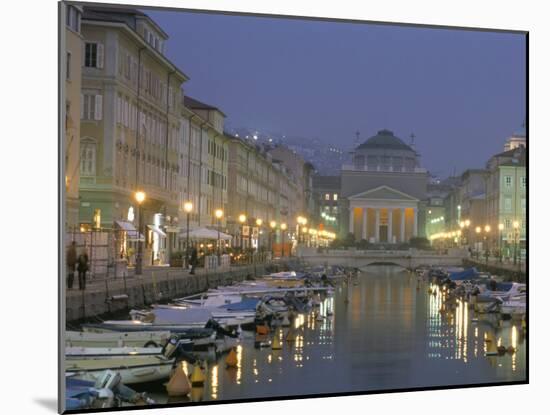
156	54
155	24
387	187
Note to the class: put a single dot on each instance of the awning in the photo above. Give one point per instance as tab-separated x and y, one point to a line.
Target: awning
157	230
131	231
205	233
126	226
172	229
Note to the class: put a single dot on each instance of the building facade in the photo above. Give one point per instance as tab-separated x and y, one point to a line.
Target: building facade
262	188
327	193
384	191
73	75
507	198
130	121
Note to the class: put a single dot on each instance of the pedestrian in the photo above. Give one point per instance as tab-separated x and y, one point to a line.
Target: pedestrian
71	264
82	268
194	260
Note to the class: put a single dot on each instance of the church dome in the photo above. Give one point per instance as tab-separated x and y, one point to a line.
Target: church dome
384	139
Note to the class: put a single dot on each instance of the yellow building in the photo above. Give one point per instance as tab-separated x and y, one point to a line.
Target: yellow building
73	73
130	128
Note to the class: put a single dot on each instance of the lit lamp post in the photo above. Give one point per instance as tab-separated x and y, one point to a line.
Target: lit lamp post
140	198
486	238
242	220
304	235
187	207
301	222
272	225
219	213
500	229
516	237
283	229
259	225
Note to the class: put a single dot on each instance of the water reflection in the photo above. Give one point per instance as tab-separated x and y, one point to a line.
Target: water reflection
395	332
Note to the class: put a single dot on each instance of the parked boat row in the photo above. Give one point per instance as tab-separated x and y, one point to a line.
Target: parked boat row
485	292
148	346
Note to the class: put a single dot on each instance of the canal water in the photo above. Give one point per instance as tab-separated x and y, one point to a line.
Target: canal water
386	332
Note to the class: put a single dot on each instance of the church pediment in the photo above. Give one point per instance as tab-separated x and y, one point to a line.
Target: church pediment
383	193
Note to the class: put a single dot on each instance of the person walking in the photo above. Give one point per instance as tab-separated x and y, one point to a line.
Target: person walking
194	260
71	264
82	268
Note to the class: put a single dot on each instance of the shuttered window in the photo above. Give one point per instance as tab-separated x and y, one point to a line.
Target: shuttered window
93	55
92	107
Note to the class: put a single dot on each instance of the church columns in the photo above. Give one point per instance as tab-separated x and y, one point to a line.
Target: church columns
377	225
402	228
415	221
351	208
364	227
390	224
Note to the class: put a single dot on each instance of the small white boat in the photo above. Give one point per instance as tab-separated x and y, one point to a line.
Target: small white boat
135	365
514	306
116	339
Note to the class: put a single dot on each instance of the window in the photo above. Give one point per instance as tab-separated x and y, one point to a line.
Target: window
68	65
524	182
507	223
73	19
91	107
87	159
327	196
508	204
93	55
508	181
335	196
523	205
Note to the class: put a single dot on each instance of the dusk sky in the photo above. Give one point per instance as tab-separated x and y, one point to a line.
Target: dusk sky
461	93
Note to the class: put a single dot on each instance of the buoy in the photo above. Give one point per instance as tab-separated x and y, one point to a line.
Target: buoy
178	385
501	350
285	322
197	377
262	330
511	349
197	393
290	336
276	344
231	359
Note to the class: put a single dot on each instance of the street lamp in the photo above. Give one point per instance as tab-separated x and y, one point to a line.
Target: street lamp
140	198
500	229
187	207
516	237
259	225
486	238
219	213
272	225
283	229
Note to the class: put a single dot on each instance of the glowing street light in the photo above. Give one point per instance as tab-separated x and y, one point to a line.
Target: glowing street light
219	214
140	197
187	208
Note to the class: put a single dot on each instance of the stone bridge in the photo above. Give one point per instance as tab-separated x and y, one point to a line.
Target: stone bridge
407	259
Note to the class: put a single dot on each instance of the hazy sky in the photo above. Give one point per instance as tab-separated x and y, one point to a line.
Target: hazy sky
461	93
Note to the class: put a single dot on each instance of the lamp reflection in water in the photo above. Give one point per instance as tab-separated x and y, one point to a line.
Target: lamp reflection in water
239	363
214	382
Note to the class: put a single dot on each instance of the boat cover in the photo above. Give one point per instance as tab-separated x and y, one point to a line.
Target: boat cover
244	305
467	274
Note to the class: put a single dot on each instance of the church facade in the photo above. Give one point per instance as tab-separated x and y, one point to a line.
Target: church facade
384	191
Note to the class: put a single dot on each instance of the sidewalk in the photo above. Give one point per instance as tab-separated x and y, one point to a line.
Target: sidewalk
150	275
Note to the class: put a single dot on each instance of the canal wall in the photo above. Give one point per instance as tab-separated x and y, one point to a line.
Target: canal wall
104	298
508	273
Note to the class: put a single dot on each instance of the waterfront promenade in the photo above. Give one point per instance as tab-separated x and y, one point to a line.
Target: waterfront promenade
108	295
